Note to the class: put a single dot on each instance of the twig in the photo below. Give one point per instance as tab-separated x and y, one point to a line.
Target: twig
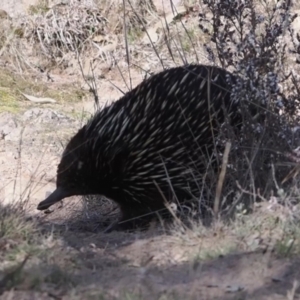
221	178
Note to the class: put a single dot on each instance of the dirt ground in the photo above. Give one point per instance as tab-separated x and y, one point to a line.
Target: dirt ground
151	265
224	262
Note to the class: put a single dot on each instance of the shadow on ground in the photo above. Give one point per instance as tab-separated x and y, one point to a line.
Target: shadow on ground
67	264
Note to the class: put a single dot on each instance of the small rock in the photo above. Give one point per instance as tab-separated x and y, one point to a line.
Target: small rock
234	288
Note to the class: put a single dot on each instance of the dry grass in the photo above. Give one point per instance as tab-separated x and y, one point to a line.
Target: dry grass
52	261
30	258
41	258
13	86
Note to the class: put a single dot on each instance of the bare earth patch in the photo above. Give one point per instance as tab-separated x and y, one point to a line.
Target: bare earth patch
52	256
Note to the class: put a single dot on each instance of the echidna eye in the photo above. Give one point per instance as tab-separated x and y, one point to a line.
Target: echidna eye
79	165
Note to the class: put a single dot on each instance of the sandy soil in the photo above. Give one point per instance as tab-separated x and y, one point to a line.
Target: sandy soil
147	265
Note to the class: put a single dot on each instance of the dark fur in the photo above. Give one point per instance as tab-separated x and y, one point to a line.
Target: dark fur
156	132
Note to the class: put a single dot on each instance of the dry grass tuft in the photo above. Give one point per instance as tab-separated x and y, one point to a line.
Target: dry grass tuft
257	248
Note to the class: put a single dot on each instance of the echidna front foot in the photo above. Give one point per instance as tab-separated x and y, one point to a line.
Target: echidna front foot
123	225
126	223
137	217
114	226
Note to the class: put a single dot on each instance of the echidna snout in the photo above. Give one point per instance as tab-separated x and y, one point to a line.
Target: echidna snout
156	140
74	176
58	195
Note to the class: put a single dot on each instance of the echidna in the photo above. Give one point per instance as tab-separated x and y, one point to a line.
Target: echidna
154	141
